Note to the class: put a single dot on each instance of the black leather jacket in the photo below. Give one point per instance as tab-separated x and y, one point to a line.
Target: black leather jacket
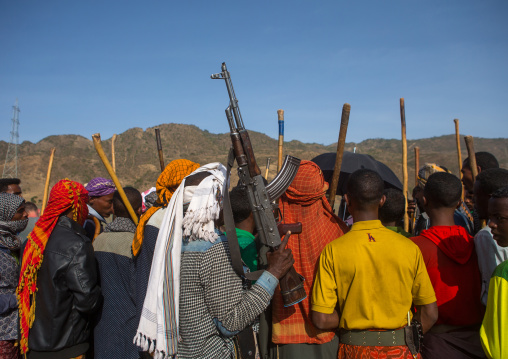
68	292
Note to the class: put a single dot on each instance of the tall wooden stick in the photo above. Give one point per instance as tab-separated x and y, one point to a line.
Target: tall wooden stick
472	155
280	115
48	177
267	167
98	147
472	163
344	121
457	140
159	148
417	164
113	162
404	161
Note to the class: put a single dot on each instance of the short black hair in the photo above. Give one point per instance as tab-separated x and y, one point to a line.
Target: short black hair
492	179
443	189
134	197
239	204
500	193
6	182
485	160
30	206
366	186
394	207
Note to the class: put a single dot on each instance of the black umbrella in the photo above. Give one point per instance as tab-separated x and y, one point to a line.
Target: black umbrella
352	162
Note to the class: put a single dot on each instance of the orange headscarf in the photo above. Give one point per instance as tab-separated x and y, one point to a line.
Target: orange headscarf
304	201
64	195
167	184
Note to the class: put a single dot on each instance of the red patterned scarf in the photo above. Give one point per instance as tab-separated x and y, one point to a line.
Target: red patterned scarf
64	195
305	201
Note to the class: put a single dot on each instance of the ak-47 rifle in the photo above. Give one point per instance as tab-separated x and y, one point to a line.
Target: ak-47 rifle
261	197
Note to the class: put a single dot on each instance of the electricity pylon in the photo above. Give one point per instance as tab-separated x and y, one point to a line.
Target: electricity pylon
11	159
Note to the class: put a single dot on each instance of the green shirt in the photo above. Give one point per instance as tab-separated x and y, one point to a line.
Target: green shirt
248	250
399	230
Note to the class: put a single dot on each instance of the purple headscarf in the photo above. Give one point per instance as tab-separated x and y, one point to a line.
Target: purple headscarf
100	186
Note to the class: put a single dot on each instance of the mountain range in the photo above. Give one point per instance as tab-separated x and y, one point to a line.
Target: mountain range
137	162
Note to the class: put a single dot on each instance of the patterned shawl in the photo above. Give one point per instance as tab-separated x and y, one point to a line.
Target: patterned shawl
167	183
304	201
64	195
9	204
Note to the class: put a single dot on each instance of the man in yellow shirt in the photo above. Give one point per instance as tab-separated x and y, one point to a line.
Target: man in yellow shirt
368	280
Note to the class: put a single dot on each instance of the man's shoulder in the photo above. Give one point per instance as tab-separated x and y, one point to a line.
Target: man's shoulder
501	271
202	246
156	218
114	242
67	237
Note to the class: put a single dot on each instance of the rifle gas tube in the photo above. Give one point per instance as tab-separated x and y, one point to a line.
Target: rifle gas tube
261	197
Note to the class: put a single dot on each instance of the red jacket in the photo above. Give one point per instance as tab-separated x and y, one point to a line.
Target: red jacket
452	264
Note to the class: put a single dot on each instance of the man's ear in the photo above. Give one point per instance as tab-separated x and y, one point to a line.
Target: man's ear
138	211
91	200
382	201
478	168
425	202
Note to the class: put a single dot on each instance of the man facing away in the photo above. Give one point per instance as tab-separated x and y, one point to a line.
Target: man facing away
304	201
392	211
368	279
205	302
58	277
494	331
450	258
116	322
490	253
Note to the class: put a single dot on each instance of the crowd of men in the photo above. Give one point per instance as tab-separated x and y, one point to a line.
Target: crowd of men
83	280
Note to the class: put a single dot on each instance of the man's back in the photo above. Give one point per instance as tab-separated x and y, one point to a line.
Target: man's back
67	292
450	259
373	275
118	314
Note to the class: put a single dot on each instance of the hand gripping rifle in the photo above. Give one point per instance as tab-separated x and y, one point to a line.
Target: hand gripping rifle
261	198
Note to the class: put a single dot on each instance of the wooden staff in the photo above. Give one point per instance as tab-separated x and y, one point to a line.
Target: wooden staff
48	177
267	167
417	164
344	121
472	163
472	156
457	140
280	115
404	161
98	147
159	148
113	162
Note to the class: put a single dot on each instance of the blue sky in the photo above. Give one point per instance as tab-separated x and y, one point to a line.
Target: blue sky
81	67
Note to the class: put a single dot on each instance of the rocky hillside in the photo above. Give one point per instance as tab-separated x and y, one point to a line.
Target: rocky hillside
137	162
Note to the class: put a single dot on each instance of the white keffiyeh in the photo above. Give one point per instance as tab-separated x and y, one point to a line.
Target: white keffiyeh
158	327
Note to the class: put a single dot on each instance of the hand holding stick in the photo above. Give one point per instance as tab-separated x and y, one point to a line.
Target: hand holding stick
48	177
344	122
404	160
98	147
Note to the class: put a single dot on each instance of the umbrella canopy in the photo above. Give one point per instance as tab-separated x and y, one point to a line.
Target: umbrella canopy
352	162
